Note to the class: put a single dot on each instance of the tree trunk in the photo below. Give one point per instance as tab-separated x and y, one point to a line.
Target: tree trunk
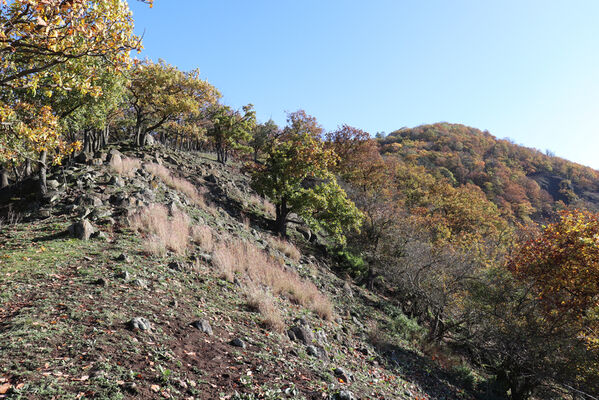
27	168
281	218
3	178
140	136
42	173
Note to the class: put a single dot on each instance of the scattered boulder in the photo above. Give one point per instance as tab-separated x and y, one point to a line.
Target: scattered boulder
123	258
82	230
203	326
305	232
125	276
317	351
343	375
139	323
238	343
177	265
114	153
53	184
140	283
344	395
301	333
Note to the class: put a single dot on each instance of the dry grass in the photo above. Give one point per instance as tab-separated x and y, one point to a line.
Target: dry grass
163	232
269	208
265	205
176	183
203	236
239	257
124	166
263	302
286	248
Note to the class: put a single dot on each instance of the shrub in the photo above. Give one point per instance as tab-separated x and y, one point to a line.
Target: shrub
353	264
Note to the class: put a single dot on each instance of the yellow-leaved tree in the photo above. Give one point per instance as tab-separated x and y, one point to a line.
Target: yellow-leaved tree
45	48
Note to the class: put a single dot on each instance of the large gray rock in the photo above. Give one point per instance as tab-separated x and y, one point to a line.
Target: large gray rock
343	374
238	343
344	395
53	184
82	230
203	326
301	333
139	323
114	154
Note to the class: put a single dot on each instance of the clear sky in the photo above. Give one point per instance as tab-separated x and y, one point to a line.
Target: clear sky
523	69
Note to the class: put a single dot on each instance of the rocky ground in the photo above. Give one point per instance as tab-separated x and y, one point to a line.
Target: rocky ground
87	312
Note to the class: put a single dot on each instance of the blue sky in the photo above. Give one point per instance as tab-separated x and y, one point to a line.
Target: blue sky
527	69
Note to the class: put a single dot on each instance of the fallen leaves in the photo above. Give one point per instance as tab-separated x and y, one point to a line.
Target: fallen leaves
4	388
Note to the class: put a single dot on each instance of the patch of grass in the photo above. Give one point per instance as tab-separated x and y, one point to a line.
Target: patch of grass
286	248
253	264
203	236
163	232
263	302
124	166
176	183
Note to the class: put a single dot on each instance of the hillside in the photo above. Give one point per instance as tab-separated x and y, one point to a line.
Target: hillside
118	307
524	183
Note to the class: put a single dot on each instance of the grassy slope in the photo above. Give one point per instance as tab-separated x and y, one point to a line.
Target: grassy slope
64	307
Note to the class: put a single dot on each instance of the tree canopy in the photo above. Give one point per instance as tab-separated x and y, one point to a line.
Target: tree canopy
297	177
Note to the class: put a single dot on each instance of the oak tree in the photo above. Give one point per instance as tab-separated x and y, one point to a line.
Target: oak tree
297	178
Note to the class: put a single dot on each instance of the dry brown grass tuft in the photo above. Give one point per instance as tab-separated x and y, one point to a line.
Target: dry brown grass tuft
240	257
124	166
269	208
265	205
203	236
163	233
176	183
286	248
263	302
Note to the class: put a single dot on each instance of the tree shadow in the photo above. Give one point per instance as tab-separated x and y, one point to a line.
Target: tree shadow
53	236
419	370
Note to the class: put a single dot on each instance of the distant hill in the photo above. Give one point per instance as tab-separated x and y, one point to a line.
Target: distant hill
523	182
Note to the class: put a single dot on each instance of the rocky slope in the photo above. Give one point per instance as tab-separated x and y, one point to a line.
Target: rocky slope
88	311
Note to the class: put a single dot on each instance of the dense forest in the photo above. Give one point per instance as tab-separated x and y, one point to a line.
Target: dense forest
491	247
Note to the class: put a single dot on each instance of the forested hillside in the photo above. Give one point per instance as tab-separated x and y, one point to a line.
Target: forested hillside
156	242
524	183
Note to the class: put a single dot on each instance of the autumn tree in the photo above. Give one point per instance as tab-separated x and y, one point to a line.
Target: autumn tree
562	265
162	95
45	49
231	130
262	137
297	178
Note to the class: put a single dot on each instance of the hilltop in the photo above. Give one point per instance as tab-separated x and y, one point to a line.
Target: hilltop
523	182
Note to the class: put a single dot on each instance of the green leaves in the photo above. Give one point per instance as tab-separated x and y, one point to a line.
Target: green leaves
297	178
